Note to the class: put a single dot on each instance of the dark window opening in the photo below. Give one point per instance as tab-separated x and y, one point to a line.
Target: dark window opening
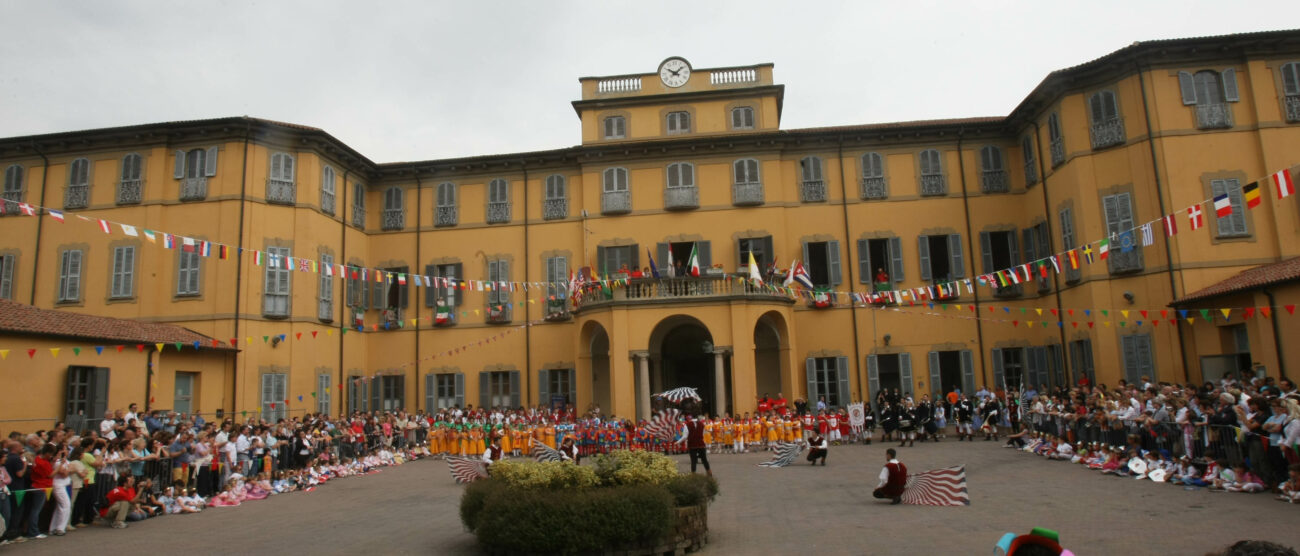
940	259
818	265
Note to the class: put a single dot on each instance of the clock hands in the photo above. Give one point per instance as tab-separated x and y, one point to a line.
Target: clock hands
677	73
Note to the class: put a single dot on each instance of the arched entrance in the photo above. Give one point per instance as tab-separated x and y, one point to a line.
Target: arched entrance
768	343
682	354
595	341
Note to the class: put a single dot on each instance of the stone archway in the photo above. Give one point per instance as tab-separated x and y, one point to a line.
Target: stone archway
595	350
771	342
682	354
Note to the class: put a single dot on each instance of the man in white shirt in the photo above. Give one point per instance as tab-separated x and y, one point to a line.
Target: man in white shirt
242	443
106	426
493	452
893	479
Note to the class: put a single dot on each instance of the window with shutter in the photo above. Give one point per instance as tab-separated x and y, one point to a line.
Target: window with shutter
1056	138
1234	224
325	291
1119	221
681	174
12	194
7	264
993	175
444	210
746	171
615	127
70	277
276	291
742	118
123	273
873	177
1107	128
1291	90
394	208
280	184
555	205
274	394
615	179
1066	217
187	273
679	122
328	186
1031	164
323	391
77	194
359	206
812	187
932	180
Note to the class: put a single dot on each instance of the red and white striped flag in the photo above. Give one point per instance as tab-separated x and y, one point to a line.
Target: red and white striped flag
1282	181
1196	217
1171	225
938	487
466	469
103	226
54	214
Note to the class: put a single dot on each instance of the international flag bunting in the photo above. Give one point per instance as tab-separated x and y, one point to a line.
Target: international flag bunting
1042	268
1103	249
401	279
1074	259
27	209
168	241
103	226
1056	263
205	249
329	270
223	251
1148	236
259	258
148	234
1087	253
1014	278
1171	225
129	230
187	244
1029	274
1222	206
694	262
56	215
1282	182
1251	194
1195	216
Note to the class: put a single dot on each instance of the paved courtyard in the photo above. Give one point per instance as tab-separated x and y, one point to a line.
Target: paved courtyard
412	509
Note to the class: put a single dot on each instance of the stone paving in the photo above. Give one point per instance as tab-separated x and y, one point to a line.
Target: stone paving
412	509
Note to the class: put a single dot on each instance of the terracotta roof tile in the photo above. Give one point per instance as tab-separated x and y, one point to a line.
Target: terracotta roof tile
1258	277
21	318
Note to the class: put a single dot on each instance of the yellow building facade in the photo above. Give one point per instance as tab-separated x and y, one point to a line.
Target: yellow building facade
677	161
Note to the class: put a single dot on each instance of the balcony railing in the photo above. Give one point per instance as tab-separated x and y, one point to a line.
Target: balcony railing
1010	290
359	216
194	189
555	209
280	192
77	196
615	202
994	181
11	200
875	188
654	291
812	191
1122	262
681	198
498	212
1213	115
557	310
498	314
1058	152
733	76
1292	103
130	192
325	310
1107	133
934	184
1031	173
747	194
619	85
444	216
394	219
392	318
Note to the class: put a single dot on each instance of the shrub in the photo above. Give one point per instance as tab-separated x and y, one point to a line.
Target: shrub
635	467
475	498
572	521
550	475
692	489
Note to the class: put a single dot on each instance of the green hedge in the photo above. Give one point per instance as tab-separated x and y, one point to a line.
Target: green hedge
692	490
635	467
566	521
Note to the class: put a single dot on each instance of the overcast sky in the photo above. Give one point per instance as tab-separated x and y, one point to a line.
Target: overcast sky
424	80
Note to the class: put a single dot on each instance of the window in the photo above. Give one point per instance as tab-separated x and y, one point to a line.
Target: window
615	199
87	395
131	188
763	252
275	296
993	175
557	388
498	207
1137	357
746	171
1072	274
498	389
1291	90
873	177
557	284
1031	164
1038	247
358	393
328	186
1009	368
933	181
359	206
280	187
676	256
1081	360
187	273
1037	368
742	117
498	297
812	187
444	391
323	394
388	393
1000	253
1124	257
679	122
681	192
444	292
615	127
193	168
70	277
445	209
356	290
325	292
881	256
123	283
274	396
822	262
941	258
77	195
391	294
828	378
1232	225
610	260
615	179
681	174
1103	112
13	189
1210	91
7	264
555	206
394	208
1057	139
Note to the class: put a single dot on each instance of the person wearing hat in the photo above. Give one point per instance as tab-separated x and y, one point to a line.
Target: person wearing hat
893	479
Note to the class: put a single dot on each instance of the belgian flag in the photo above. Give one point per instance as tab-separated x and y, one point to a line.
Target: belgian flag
1251	194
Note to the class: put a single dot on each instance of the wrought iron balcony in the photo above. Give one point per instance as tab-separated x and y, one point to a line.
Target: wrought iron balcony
1123	262
194	189
994	181
394	219
392	318
325	310
444	216
557	310
747	194
1031	173
660	291
76	196
280	192
130	192
1292	103
1107	133
1010	290
498	314
616	202
1214	115
359	216
681	198
934	184
555	209
1058	152
813	191
327	203
11	200
498	212
875	188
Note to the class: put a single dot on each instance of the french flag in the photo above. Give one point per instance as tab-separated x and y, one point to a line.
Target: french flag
1222	206
56	215
205	248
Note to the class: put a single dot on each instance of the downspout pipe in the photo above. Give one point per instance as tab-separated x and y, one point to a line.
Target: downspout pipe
415	307
343	259
1160	196
528	329
40	222
1056	276
148	376
1277	335
853	307
239	266
970	243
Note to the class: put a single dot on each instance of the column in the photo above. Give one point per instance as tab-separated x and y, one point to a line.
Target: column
719	384
643	383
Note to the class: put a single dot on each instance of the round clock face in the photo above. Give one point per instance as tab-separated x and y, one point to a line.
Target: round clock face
674	72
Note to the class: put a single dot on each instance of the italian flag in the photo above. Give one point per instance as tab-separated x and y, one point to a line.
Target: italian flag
442	315
694	262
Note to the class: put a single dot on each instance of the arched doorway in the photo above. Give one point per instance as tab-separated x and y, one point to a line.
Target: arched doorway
770	344
594	345
682	354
